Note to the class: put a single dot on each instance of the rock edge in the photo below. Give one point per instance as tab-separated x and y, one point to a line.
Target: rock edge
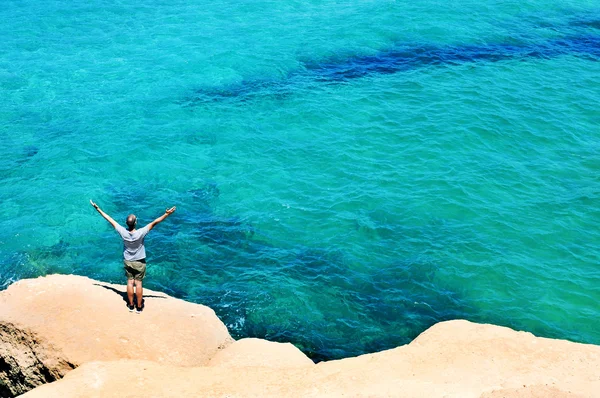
41	327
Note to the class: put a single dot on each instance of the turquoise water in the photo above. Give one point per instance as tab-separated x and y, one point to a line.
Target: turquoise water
346	173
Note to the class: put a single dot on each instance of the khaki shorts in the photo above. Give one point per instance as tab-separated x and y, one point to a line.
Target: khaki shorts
135	269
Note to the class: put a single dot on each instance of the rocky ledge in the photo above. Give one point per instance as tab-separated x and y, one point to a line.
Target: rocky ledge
70	336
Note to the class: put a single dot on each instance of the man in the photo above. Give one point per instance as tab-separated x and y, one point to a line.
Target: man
134	253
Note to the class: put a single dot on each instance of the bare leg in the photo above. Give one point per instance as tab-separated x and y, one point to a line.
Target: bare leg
130	291
138	292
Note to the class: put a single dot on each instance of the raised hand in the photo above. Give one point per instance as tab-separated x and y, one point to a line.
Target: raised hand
171	210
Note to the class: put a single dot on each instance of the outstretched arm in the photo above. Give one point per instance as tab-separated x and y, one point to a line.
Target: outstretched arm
162	218
103	214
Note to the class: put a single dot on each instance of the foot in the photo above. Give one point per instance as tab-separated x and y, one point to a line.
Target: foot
138	310
130	307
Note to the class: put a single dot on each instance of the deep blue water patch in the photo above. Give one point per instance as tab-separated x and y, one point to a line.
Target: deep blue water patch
129	196
397	306
587	23
29	151
398	59
11	166
309	296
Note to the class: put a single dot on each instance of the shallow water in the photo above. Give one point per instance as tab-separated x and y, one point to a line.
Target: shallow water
346	175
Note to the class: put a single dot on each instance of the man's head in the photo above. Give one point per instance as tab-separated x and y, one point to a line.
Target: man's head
131	221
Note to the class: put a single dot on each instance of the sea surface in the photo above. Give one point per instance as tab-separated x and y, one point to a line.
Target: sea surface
346	173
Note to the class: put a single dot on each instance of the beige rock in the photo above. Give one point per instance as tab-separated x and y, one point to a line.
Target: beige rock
536	391
177	354
85	320
451	359
243	353
27	361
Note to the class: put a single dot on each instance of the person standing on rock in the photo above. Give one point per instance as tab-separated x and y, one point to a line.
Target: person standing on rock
134	253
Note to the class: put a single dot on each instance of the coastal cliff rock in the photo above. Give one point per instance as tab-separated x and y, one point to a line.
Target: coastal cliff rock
52	324
27	361
451	359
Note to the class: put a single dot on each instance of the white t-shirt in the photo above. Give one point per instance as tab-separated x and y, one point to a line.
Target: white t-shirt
133	243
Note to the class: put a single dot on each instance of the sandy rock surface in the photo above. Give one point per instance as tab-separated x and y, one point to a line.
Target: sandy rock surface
75	320
243	353
183	350
27	361
452	359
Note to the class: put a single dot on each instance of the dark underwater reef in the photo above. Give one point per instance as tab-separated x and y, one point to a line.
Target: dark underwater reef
403	57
